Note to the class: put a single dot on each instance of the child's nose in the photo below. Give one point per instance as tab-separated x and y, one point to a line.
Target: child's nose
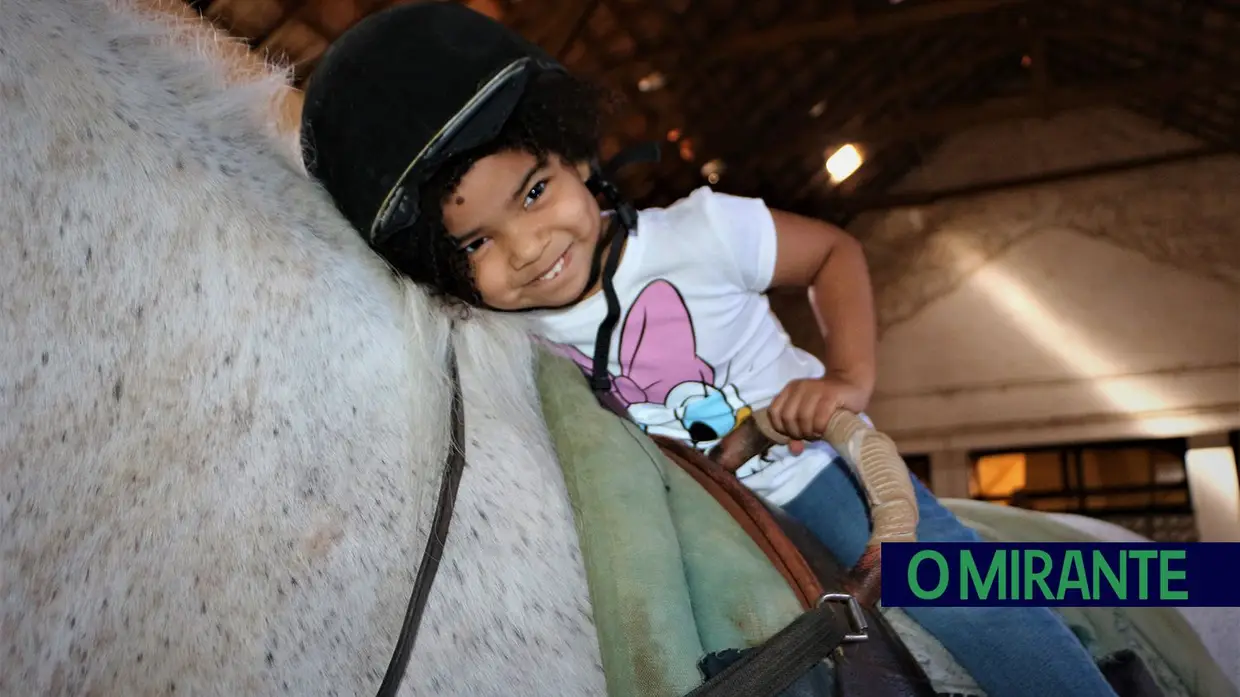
527	246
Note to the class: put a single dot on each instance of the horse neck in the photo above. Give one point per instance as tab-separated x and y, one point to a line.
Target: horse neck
221	419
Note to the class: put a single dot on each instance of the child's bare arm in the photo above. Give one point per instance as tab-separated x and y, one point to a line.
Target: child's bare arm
831	263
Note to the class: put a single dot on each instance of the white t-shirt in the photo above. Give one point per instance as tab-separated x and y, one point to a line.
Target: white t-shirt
697	348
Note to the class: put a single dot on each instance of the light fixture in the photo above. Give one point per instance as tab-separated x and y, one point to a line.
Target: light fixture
673	135
713	170
818	109
686	149
652	82
843	163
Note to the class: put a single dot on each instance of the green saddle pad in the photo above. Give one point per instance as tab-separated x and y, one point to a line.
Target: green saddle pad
672	576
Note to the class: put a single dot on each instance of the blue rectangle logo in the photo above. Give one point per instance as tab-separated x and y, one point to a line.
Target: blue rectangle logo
1060	574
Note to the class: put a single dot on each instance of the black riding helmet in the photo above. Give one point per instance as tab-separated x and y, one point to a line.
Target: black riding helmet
402	93
397	97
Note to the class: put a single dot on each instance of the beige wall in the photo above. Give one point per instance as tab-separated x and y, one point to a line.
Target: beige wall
1097	309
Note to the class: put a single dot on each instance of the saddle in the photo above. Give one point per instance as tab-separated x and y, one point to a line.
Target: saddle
870	658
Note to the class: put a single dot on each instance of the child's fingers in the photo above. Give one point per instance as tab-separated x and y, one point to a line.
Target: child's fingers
807	415
822	415
793	417
775	413
783	425
796	447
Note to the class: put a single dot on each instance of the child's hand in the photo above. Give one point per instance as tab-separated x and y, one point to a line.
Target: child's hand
801	411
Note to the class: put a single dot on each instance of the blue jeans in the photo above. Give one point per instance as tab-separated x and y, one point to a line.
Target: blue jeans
1009	651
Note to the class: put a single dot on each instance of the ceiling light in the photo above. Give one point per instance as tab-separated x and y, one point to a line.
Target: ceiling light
686	149
673	135
817	110
843	162
652	82
713	170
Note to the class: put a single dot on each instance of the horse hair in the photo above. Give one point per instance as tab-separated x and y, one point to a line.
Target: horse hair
222	418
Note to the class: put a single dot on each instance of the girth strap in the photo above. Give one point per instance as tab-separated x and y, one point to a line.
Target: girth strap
779	661
454	467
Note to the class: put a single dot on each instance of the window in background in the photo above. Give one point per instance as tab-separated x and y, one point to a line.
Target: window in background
1140	485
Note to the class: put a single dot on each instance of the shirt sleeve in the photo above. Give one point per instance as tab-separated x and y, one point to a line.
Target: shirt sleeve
743	232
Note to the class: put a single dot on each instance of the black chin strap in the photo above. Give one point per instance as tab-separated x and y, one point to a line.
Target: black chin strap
624	223
600	380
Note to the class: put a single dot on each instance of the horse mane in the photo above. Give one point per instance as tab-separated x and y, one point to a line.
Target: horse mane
222	417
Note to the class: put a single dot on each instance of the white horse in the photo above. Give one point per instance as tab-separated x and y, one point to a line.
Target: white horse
222	420
1218	627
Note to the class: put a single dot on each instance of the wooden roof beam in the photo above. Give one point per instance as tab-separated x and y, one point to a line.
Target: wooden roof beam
706	91
1152	38
564	37
1031	104
851	26
869	103
860	203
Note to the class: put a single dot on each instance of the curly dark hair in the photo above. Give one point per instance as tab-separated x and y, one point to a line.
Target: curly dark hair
558	114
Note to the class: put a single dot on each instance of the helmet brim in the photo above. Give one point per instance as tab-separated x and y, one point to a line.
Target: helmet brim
478	122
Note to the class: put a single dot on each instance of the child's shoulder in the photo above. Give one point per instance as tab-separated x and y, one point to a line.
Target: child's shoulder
704	204
711	231
709	220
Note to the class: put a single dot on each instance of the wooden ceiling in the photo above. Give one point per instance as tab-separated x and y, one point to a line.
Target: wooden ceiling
764	90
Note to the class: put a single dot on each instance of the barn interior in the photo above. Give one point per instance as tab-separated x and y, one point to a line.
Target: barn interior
1045	189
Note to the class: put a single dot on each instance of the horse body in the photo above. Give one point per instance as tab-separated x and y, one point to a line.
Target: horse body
222	420
1218	627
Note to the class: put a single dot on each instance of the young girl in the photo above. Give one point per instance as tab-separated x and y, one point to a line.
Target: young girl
463	154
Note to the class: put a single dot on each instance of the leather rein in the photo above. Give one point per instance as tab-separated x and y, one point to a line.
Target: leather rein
454	467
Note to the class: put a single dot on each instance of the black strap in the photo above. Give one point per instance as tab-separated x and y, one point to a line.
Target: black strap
454	467
600	380
773	666
623	225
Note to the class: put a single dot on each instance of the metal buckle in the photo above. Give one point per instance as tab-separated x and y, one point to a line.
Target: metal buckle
855	615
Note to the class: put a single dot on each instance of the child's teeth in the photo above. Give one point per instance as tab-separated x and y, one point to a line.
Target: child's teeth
555	270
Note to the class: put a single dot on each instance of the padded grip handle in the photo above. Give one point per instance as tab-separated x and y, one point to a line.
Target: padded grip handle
873	455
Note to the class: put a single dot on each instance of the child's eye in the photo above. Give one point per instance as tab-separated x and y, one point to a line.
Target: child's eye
535	192
475	244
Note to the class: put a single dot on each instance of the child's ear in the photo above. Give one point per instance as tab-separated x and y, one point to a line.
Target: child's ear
583	170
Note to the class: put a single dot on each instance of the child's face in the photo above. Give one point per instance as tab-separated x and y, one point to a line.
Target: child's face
529	227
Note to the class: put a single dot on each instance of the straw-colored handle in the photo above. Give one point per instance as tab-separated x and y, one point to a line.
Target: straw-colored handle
883	473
